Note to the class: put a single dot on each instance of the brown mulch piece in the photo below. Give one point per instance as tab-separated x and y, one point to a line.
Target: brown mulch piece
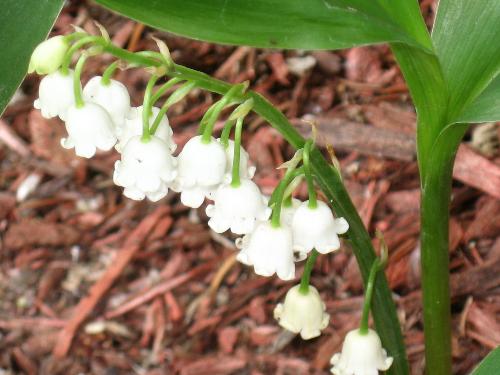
92	282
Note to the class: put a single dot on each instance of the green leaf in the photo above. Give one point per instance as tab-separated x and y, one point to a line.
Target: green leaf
403	14
486	107
490	365
23	24
311	24
465	35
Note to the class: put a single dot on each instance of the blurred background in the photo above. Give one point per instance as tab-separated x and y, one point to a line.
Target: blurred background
175	301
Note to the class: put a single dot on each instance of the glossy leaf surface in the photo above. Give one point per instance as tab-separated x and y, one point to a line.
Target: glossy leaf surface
312	24
23	24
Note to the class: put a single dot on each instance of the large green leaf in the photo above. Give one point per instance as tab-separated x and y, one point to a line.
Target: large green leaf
466	36
486	107
490	365
23	24
403	14
311	24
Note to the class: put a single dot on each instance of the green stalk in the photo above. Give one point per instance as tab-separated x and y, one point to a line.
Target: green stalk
437	145
235	180
309	177
436	192
108	73
384	309
76	47
164	88
280	192
226	131
77	84
306	275
146	108
365	316
176	96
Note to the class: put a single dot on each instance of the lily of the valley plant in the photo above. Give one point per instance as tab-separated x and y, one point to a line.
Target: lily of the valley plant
452	74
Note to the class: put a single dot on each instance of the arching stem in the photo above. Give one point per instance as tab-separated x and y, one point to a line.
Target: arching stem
306	275
280	192
77	84
309	177
235	181
108	73
146	108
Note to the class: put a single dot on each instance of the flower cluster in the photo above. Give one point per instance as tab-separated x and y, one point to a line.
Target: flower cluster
277	231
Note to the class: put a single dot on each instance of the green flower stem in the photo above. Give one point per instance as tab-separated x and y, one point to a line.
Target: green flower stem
280	192
226	131
329	180
210	116
177	96
108	73
70	38
96	40
376	267
146	108
164	88
306	275
287	202
309	177
235	180
77	84
209	123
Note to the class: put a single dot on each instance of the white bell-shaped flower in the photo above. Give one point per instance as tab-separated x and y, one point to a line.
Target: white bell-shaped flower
200	171
114	97
302	313
55	95
362	354
246	170
237	208
288	211
269	250
146	169
48	55
316	228
133	127
89	128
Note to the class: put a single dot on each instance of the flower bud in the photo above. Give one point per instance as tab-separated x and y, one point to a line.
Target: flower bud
269	250
316	228
237	208
132	127
89	128
55	95
146	169
48	55
302	313
361	354
113	97
201	169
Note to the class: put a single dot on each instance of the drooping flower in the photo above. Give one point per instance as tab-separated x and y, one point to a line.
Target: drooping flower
316	228
247	171
269	250
302	313
48	55
146	169
237	208
133	127
114	97
89	128
55	95
362	354
200	171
